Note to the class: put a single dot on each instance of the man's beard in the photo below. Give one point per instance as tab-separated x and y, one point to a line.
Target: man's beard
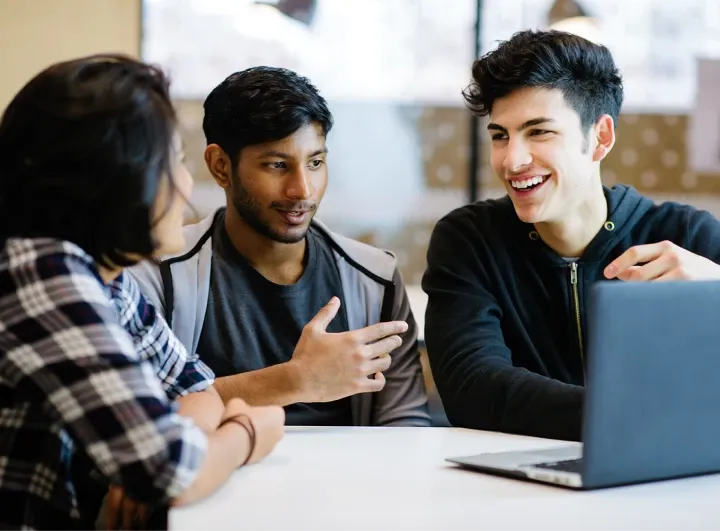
249	210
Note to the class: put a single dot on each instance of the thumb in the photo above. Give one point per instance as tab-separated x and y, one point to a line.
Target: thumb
326	314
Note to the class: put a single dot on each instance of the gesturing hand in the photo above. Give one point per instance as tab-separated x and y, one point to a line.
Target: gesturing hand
333	366
661	261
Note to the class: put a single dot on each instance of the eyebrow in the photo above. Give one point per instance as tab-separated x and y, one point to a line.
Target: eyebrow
281	155
535	121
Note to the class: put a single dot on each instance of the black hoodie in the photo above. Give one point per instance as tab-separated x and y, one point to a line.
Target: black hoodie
505	319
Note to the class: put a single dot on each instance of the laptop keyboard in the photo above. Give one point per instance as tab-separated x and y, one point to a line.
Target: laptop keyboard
568	465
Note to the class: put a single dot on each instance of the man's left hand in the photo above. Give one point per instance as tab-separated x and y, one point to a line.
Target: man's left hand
661	261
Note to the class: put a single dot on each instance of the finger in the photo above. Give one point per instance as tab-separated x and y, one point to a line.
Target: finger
129	510
673	274
650	271
373	385
112	508
379	331
384	346
380	364
326	314
635	255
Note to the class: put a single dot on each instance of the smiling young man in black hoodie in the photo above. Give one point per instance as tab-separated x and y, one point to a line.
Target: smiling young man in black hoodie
508	279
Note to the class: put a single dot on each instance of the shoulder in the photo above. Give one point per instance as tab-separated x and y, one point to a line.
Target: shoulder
43	269
481	216
671	211
669	218
43	252
484	227
367	258
695	229
196	236
51	288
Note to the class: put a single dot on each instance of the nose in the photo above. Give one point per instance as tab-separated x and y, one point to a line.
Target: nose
517	155
298	185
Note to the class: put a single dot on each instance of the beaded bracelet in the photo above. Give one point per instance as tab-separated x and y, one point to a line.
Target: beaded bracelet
249	429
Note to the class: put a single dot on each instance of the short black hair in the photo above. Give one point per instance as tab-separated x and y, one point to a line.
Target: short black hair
83	148
584	71
261	104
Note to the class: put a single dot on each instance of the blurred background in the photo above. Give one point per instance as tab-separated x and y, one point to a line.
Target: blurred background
404	150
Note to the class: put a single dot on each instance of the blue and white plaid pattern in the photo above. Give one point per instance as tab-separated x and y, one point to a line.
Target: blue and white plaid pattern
86	370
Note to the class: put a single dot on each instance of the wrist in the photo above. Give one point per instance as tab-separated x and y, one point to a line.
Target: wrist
296	382
245	426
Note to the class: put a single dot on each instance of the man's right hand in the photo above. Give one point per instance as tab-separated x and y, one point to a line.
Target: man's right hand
333	366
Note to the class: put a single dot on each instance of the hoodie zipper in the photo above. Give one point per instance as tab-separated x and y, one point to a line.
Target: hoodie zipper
576	306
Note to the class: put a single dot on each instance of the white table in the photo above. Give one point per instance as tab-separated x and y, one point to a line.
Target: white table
396	478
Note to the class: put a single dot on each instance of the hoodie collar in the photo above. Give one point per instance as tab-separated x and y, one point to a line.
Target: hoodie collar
625	208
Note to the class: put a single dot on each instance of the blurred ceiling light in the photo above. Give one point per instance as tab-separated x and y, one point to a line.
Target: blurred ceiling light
569	16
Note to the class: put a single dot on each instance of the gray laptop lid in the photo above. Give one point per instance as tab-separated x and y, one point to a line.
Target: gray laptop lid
652	406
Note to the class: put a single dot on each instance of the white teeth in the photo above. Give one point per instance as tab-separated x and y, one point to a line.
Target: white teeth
527	182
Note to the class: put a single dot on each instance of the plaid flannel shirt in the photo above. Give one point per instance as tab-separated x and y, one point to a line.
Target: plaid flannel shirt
86	370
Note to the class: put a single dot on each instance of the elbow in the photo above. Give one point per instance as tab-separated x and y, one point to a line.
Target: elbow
188	497
151	490
470	410
166	477
461	416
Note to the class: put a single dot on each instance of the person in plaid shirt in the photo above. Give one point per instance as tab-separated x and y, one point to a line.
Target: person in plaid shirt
94	387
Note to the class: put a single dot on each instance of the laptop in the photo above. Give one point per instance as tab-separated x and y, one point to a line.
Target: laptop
652	404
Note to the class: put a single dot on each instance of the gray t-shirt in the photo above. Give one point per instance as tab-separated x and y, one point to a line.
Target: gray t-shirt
252	323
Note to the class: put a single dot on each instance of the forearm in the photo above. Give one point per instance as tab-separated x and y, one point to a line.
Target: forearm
228	447
496	397
279	385
204	407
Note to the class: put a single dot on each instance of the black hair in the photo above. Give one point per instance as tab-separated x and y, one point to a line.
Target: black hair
584	71
83	148
261	104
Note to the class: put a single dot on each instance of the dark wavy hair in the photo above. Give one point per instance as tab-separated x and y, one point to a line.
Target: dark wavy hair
84	146
585	73
261	104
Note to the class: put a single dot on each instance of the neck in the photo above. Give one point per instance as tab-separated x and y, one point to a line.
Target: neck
282	263
570	236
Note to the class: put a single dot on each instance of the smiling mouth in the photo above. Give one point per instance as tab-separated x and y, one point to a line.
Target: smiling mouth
294	217
525	185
